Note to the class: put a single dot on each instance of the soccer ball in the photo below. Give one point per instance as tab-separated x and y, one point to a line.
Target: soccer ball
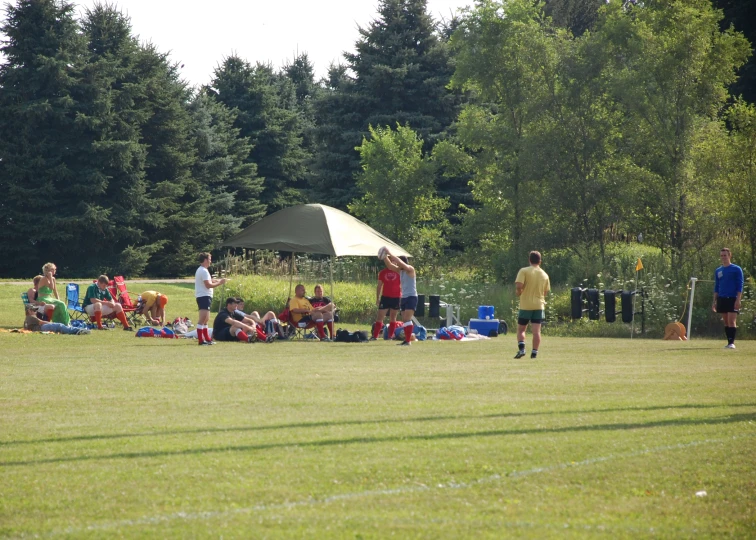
382	252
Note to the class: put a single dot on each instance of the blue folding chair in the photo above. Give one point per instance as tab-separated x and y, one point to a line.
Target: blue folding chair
75	309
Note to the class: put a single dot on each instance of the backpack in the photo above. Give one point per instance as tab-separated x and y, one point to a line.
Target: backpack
345	336
180	327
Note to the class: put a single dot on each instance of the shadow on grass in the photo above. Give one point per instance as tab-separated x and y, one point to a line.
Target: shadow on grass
677	422
305	425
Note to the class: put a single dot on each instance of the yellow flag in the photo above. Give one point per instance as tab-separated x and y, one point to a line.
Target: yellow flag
639	266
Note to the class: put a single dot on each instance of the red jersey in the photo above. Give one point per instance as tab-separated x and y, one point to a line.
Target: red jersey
392	287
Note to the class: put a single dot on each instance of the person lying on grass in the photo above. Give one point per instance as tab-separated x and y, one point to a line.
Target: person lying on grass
35	325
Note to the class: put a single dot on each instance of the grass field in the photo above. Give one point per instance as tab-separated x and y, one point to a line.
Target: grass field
110	436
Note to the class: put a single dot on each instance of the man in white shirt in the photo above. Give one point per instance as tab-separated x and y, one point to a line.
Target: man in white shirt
203	292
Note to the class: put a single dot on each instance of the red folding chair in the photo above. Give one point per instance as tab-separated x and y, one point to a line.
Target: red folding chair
120	293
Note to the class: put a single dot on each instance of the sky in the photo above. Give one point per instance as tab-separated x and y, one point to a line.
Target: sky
200	34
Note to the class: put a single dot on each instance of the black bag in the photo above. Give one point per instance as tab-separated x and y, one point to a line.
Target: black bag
345	336
360	336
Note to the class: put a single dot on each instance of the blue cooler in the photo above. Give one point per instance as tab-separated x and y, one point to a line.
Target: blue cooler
485	327
485	312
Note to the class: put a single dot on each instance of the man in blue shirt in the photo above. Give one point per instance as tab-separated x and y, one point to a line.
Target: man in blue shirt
728	290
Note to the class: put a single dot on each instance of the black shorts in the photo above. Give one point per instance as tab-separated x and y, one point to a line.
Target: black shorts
725	304
306	319
409	303
388	302
224	334
203	302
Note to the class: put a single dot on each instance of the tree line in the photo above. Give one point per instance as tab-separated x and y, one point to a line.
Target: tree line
516	125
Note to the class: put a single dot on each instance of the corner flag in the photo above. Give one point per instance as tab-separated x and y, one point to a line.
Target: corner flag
639	266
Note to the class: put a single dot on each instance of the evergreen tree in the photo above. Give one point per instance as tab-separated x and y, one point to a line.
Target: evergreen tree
179	223
267	115
113	194
39	145
399	74
222	164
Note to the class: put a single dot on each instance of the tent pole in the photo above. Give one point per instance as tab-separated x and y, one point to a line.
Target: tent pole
291	273
331	270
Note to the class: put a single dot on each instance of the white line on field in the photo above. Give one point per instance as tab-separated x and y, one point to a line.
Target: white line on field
199	516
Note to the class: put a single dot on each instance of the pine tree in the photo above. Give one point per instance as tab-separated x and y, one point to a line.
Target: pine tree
400	72
222	164
113	191
267	114
39	144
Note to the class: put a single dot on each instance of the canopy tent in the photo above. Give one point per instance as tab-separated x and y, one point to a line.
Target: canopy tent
314	228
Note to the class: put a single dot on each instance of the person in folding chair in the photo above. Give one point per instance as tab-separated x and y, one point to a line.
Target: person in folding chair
47	292
302	312
44	310
324	305
99	303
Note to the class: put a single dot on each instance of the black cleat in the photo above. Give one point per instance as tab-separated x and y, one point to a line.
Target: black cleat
532	355
404	343
519	354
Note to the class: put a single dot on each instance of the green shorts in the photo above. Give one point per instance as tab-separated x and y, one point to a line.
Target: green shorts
526	316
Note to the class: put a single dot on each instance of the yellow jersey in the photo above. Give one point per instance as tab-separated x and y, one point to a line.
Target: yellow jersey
536	285
299	303
149	298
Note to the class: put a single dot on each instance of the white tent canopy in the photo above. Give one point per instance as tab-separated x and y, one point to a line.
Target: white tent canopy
313	228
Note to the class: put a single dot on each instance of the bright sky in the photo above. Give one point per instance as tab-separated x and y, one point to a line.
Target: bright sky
200	34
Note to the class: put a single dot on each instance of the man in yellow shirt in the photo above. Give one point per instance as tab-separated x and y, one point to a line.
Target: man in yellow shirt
532	285
302	311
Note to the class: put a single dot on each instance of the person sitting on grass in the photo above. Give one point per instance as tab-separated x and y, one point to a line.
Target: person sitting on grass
152	307
35	325
230	326
269	321
43	310
99	303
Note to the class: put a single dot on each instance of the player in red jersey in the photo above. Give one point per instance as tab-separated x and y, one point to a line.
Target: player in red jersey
388	296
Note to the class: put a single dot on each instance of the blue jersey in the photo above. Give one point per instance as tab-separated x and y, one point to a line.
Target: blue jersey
728	281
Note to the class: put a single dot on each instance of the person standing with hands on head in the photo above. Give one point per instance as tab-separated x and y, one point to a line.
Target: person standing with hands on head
408	281
531	285
203	292
728	291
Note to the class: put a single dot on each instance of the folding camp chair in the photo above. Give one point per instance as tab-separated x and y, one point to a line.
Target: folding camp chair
120	293
294	330
27	302
75	309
